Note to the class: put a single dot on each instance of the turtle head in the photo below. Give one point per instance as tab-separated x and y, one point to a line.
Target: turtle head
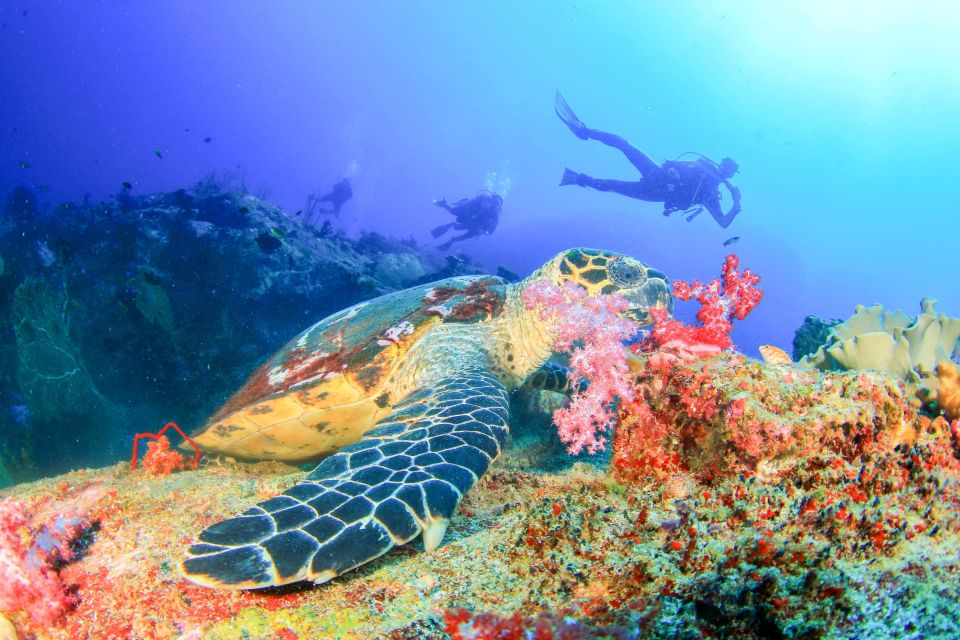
607	272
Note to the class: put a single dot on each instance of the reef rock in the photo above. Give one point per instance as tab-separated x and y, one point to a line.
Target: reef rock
118	317
811	335
398	269
743	501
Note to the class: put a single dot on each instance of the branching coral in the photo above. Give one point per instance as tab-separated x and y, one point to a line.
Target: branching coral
29	561
733	295
160	460
592	331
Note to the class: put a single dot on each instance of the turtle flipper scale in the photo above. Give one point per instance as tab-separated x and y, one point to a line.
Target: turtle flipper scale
405	477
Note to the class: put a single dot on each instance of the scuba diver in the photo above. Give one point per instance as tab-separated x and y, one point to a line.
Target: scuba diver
477	216
681	185
341	192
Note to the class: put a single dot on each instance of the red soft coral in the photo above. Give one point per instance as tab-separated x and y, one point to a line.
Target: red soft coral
29	558
733	295
160	460
592	330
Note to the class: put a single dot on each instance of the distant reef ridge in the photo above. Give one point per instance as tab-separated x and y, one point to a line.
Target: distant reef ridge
116	317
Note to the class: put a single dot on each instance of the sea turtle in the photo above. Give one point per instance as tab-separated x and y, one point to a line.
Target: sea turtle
406	396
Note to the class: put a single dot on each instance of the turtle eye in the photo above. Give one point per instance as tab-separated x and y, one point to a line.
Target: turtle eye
626	273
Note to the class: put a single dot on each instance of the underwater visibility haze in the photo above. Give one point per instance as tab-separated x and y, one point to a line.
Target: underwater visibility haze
600	319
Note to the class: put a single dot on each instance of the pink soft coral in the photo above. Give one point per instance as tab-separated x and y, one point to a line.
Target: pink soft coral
591	329
29	557
733	295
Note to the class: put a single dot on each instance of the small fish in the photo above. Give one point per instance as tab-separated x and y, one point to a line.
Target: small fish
158	154
774	355
299	211
187	130
24	165
208	139
127	186
43	188
277	233
243	210
731	241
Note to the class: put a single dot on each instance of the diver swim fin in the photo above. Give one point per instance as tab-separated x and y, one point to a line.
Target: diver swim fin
442	229
569	118
570	177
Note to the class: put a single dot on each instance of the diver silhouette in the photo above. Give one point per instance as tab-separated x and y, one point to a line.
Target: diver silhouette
477	216
339	194
681	185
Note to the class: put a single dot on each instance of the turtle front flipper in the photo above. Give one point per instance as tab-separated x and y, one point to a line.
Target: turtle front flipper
405	477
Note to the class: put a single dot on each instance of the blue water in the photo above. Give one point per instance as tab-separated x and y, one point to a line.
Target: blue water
842	117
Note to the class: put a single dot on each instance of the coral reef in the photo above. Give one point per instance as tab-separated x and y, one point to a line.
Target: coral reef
30	557
943	392
811	335
461	624
742	499
909	348
55	383
731	296
398	270
784	503
591	330
724	416
21	208
160	460
105	323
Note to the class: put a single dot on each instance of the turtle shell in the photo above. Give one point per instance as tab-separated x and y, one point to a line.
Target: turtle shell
328	385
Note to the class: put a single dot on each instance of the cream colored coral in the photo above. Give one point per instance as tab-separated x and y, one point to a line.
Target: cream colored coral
873	338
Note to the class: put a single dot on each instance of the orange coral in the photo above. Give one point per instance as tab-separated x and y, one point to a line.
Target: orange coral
160	460
948	391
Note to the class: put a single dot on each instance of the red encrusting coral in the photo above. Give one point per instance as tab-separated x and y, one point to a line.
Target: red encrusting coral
726	415
461	624
160	460
592	331
30	559
733	295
